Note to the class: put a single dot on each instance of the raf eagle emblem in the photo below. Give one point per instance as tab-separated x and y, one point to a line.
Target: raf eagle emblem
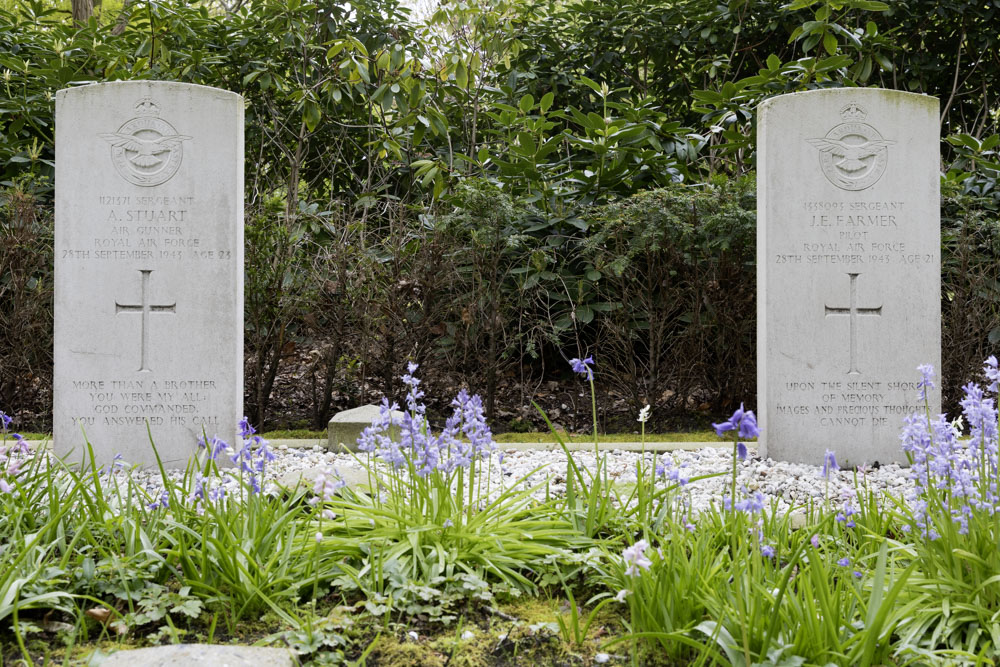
146	150
852	156
144	153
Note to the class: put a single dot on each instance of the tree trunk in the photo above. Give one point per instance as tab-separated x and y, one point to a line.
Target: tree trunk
82	11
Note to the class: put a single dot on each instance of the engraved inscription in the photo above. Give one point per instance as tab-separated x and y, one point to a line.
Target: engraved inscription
853	312
853	155
146	150
130	402
145	308
856	403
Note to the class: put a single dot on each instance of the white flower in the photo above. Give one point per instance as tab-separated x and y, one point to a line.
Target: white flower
468	634
413	635
635	558
621	594
319	537
644	414
602	658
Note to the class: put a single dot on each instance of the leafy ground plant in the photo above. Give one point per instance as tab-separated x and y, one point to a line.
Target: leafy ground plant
421	558
954	520
427	520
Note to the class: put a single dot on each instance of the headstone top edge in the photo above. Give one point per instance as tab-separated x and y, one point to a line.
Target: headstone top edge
352	415
820	92
92	88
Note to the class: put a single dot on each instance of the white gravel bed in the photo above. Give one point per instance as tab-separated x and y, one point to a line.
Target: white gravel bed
789	485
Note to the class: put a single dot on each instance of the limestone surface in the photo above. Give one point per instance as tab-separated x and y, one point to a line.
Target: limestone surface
848	270
345	427
148	269
201	655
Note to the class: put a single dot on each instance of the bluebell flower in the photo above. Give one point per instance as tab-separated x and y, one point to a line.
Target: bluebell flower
767	551
246	430
992	373
465	436
198	491
752	503
216	447
845	514
742	421
635	558
741	451
677	475
21	445
926	381
844	562
582	367
243	457
414	394
162	501
829	464
5	421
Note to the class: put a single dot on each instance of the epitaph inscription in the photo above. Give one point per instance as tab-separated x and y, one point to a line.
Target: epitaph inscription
149	269
848	270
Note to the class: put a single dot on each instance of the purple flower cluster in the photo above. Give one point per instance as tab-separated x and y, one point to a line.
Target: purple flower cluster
829	464
959	477
252	457
636	559
845	514
583	367
742	421
926	381
12	458
673	473
163	501
326	487
752	503
464	438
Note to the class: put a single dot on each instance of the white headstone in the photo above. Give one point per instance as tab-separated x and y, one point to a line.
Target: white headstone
848	270
148	269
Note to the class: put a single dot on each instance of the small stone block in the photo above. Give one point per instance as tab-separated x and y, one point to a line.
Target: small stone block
310	476
198	655
345	428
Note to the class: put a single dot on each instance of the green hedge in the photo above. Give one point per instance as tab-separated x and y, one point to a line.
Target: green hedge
659	287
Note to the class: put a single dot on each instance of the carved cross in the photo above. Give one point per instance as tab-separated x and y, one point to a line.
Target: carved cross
853	312
145	308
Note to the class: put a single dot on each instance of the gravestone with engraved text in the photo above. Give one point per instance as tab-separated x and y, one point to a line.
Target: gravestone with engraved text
148	269
848	270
